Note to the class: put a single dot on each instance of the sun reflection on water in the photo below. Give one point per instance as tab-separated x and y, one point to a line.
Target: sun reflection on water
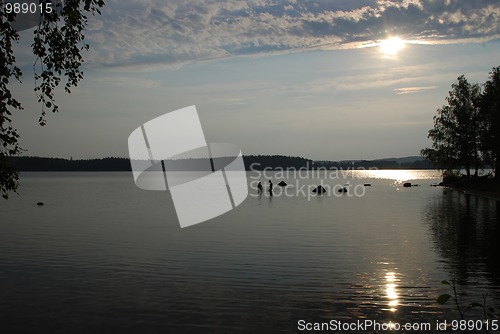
390	291
398	175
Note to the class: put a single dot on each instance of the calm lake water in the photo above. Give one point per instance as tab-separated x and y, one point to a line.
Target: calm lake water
103	256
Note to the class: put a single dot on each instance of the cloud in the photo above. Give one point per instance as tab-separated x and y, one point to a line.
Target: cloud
148	33
366	80
231	101
411	90
130	81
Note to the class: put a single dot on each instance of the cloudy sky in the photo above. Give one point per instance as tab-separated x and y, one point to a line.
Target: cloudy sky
326	79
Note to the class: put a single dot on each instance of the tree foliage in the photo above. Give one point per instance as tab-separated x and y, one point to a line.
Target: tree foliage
490	111
57	44
465	132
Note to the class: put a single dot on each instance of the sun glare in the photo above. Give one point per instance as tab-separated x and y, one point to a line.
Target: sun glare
391	46
391	291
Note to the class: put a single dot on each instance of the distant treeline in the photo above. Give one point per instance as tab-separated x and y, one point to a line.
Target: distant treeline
39	164
375	164
278	161
252	162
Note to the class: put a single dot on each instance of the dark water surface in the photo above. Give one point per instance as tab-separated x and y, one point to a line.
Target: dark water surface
102	256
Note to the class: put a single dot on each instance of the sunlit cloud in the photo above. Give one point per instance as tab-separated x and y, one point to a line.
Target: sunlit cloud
411	90
142	34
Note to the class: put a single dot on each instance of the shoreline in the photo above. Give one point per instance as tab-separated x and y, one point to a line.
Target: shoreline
480	186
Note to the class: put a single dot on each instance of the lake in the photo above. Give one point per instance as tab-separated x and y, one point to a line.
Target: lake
104	256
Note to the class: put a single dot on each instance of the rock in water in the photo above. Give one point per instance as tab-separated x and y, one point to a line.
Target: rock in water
319	190
282	183
342	190
40	203
407	185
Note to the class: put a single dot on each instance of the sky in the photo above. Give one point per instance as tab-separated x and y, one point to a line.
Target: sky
325	80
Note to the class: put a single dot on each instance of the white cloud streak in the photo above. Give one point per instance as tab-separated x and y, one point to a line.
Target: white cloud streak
411	90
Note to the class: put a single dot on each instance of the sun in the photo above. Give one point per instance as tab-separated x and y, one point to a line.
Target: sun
391	46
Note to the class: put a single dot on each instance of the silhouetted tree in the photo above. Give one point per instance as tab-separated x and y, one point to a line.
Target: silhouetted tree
456	133
58	41
490	112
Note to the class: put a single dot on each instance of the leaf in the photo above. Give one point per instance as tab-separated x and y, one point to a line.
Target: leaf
445	282
443	298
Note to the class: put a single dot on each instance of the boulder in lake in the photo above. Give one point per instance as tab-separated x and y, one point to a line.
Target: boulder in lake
282	184
319	190
367	184
40	203
407	184
342	190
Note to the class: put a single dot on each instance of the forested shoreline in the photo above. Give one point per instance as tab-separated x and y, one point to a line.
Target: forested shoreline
252	162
